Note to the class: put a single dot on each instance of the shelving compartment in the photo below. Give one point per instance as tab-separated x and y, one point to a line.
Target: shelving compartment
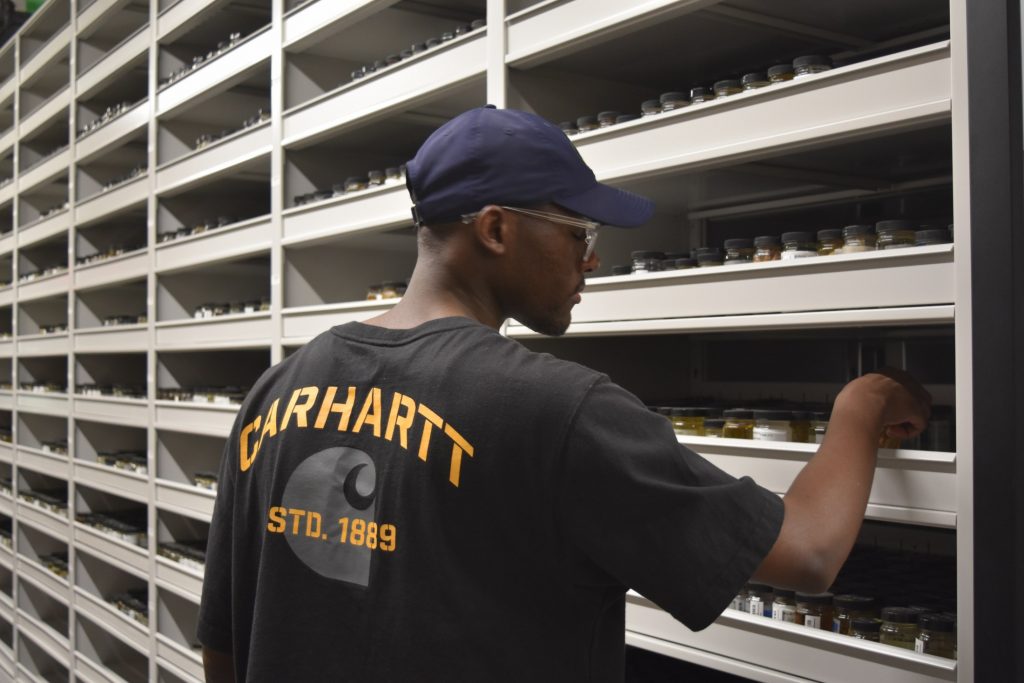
187	466
43	159
120	376
112	526
43	209
42	500
181	553
110	455
118	238
43	442
43	317
6	214
98	649
111	596
199	391
115	175
373	264
7	137
48	614
7	443
43	558
227	127
111	30
177	619
223	40
42	268
43	377
38	662
45	91
43	28
112	318
6	270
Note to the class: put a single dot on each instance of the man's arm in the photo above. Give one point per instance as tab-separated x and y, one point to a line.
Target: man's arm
824	507
219	666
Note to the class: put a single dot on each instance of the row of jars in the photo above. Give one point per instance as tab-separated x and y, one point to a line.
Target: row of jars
883	235
778	73
859	616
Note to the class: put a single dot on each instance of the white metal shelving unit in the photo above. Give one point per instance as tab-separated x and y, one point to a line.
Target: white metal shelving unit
111	267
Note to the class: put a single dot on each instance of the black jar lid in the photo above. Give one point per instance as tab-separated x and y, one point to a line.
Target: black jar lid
405	54
650	104
623	118
766	241
802	414
393	170
754	77
375	175
714	423
379	64
784	593
931	236
937	622
669	255
857	230
645	255
622	270
416	48
700	91
604	115
448	35
462	29
811	60
797	236
727	84
865	625
815	598
896	224
478	23
709	255
772	415
586	121
392	59
830	234
779	70
851	601
673	96
738	414
901	615
739	243
433	42
568	126
689	412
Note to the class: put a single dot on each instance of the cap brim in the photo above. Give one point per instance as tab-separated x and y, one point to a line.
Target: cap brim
610	206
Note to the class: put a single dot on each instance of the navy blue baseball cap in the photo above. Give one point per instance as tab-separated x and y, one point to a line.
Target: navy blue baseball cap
505	156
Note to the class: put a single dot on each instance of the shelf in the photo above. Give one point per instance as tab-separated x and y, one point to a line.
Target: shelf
45	637
132	266
6	400
111	480
238	239
195	419
182	580
174	18
179	657
8	139
105	203
52	107
43	578
135	46
53	404
190	501
95	11
50	285
44	345
227	331
112	339
379	208
747	644
128	411
401	86
6	452
303	26
51	465
111	549
236	64
7	191
302	324
105	138
124	627
41	59
42	519
47	227
218	159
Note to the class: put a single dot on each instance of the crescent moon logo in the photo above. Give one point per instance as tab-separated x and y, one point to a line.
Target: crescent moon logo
356	499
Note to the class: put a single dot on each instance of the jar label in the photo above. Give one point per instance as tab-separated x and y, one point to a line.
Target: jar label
811	621
783	613
756	608
918	645
797	253
767	433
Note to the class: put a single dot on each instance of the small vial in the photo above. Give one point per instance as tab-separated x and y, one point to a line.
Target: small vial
673	100
742	600
784	606
701	94
727	87
622	270
780	73
713	427
647	261
738	250
739	423
830	241
858	238
607	118
767	248
899	627
798	245
623	118
894	234
810	64
936	635
688	421
803	431
772	425
650	108
865	628
709	256
929	236
755	80
569	127
587	123
759	600
848	608
814	610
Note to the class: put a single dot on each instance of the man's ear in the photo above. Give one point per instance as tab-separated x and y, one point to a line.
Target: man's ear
491	227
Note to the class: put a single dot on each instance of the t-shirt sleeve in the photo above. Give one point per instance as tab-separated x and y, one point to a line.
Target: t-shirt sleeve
657	517
214	629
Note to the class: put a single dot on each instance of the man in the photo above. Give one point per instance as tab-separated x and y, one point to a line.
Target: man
417	498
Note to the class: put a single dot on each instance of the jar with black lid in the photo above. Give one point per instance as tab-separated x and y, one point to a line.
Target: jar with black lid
739	423
810	64
375	177
417	48
936	635
798	245
899	626
780	73
701	94
713	427
462	29
738	250
784	605
650	107
814	610
587	123
894	234
830	241
447	35
858	238
772	425
607	118
569	127
865	628
767	248
709	256
647	261
355	183
477	23
394	173
754	80
673	100
727	87
688	421
759	599
929	236
802	427
849	607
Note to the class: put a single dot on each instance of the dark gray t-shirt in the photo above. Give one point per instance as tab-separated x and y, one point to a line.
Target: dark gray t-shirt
441	504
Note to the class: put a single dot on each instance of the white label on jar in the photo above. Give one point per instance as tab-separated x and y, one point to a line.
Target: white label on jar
918	645
756	607
768	432
797	253
811	621
781	612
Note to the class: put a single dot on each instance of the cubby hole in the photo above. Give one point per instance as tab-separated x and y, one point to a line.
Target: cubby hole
44	258
115	235
115	166
40	663
6	489
225	288
213	377
341	163
366	260
48	21
6	177
46	316
96	643
675	52
7	62
43	374
43	607
902	176
211	33
177	619
43	491
800	370
47	433
390	36
191	459
122	519
6	422
118	94
182	540
6	272
42	201
120	375
6	121
124	591
165	676
45	84
108	33
6	384
114	306
6	575
112	445
241	194
45	142
240	105
43	549
6	633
